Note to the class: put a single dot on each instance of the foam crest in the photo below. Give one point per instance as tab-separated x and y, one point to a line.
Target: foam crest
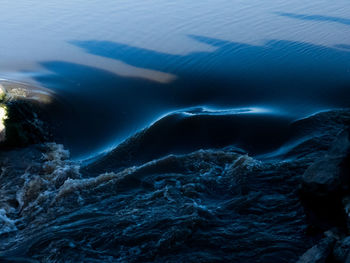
39	188
6	224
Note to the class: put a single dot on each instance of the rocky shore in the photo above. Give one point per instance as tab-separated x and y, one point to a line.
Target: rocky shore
325	191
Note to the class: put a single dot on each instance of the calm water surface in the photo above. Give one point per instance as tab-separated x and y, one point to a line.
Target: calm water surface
118	66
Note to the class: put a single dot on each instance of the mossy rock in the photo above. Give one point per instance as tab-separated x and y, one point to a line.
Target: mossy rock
23	120
23	125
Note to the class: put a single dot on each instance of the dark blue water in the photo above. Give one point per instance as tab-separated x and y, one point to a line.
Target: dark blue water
167	131
118	67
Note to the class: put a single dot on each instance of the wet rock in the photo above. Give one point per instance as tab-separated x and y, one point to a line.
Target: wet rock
328	175
346	242
319	253
22	114
23	125
325	183
341	250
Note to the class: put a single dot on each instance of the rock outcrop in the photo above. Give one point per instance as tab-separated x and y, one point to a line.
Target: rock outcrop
319	253
328	176
325	192
325	184
21	113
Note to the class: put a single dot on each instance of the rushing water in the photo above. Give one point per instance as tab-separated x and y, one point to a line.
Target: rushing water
177	115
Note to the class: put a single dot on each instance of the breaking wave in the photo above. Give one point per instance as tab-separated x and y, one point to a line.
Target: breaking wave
158	197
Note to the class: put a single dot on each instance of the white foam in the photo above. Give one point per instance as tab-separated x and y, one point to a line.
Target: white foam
6	224
40	189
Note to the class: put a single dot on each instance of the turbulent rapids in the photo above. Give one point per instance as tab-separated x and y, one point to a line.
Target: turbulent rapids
153	200
174	131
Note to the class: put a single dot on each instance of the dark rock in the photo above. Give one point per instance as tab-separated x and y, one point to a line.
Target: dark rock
342	250
326	182
24	125
23	115
326	176
319	253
